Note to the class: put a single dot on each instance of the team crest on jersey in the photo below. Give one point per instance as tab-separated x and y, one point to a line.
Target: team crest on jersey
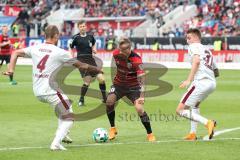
129	65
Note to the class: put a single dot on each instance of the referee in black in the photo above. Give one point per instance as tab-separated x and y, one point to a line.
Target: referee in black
85	46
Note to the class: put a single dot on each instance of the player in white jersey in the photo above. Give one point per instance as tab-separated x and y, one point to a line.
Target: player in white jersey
202	82
47	58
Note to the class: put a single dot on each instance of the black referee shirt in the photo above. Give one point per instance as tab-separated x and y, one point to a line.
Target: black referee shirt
83	45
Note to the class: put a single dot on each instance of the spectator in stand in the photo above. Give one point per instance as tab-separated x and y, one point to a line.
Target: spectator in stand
38	24
171	32
100	31
15	29
23	15
45	25
29	27
92	30
5	51
216	18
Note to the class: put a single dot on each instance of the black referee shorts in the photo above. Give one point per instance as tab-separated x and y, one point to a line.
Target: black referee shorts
5	58
89	60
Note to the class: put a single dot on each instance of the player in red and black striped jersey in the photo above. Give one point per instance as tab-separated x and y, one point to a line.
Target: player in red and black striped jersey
129	82
128	69
5	51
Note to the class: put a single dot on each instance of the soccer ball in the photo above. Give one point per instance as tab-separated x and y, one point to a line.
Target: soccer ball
100	135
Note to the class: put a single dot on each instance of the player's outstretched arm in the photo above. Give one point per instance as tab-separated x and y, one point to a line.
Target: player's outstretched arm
195	66
87	67
13	61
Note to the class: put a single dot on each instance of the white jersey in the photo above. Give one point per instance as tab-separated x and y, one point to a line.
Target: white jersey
207	64
46	59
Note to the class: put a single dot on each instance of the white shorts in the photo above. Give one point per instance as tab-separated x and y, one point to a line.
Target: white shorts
59	102
198	91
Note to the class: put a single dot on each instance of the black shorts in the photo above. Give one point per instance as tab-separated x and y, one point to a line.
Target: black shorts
89	60
132	93
5	58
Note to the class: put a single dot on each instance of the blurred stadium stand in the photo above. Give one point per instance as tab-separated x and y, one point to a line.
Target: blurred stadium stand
156	27
167	18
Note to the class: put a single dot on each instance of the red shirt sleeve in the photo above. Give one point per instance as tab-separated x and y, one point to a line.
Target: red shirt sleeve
115	52
138	65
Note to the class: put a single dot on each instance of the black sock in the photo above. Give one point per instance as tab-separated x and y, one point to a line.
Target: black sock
11	77
83	91
111	115
102	87
146	122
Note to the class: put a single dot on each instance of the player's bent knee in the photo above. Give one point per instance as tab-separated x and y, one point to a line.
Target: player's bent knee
140	112
109	102
177	112
181	106
87	83
68	117
109	108
139	102
101	79
87	80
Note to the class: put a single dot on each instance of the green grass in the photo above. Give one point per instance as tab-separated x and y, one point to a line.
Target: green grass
26	122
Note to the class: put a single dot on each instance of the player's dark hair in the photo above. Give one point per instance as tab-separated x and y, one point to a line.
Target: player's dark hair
81	22
195	31
51	31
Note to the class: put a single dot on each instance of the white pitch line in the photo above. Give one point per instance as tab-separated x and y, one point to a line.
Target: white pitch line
21	148
111	144
217	133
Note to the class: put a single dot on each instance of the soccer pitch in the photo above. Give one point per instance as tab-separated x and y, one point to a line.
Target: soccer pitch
27	126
